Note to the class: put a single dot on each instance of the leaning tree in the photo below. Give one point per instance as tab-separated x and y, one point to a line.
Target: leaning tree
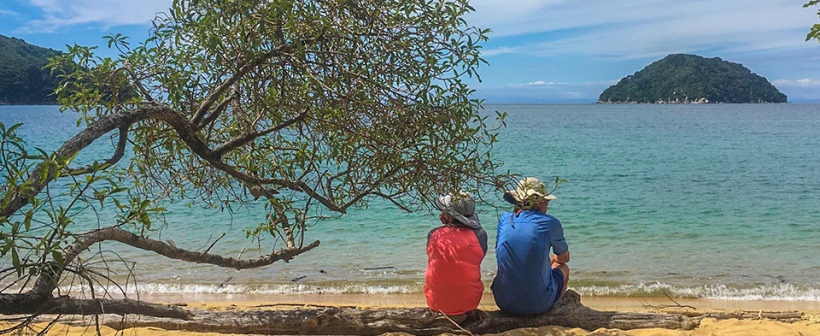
312	107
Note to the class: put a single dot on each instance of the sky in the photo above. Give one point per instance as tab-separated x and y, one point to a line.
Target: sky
540	51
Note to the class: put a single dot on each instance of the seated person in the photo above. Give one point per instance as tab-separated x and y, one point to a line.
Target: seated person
529	281
455	250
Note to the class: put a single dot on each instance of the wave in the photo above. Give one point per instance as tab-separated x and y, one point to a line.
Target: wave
164	288
768	292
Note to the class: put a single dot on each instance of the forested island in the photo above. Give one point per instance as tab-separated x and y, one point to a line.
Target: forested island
23	81
683	79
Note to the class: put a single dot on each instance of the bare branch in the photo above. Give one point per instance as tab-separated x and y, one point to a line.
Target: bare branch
138	84
242	71
118	154
248	137
37	181
47	282
215	114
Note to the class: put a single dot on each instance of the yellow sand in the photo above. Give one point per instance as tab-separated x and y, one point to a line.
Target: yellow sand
809	325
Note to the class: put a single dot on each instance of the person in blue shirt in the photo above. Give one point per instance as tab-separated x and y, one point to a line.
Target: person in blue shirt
530	280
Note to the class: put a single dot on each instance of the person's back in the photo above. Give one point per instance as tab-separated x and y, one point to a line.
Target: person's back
523	283
453	278
528	280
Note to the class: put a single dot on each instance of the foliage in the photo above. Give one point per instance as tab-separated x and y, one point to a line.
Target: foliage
22	77
311	107
814	32
681	78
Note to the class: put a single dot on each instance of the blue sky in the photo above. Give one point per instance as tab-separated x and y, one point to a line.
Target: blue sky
540	51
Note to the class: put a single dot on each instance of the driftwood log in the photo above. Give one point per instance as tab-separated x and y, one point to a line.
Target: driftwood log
307	320
417	321
33	304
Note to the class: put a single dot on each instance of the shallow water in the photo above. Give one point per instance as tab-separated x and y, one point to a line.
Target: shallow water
715	201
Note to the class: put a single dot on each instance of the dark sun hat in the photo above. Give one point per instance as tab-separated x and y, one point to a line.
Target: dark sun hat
461	207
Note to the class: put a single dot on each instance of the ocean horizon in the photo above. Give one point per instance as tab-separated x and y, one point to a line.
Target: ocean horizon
702	201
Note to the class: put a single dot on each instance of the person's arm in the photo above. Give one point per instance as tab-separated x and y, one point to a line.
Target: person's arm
558	242
481	235
430	234
498	231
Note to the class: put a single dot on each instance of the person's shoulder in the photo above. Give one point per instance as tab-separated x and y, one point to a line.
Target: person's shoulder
430	234
478	230
545	217
505	217
506	214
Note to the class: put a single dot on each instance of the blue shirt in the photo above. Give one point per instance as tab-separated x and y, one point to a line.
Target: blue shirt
523	284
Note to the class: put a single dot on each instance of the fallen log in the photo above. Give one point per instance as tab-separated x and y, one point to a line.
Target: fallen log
418	321
744	314
34	304
346	320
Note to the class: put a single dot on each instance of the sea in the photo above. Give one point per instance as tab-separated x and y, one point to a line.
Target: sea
697	201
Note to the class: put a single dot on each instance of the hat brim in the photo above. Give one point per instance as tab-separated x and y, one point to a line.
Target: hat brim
511	199
471	222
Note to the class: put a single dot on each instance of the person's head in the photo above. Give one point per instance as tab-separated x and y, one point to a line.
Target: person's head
458	209
530	194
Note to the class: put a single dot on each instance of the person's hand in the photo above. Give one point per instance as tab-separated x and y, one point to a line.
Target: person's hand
562	258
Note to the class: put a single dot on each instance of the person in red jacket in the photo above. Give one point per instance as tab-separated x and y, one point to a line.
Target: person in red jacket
454	253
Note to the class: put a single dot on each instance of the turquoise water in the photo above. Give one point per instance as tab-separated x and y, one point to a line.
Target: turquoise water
717	201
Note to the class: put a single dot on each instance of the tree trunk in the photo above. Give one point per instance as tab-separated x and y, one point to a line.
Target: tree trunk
417	321
33	304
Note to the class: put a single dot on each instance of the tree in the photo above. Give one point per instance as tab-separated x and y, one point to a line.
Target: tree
312	107
22	77
814	33
682	78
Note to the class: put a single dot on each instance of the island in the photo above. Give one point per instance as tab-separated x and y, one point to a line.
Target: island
23	80
692	79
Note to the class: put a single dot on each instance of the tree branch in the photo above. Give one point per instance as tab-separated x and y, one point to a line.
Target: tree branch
118	154
242	71
248	137
47	281
215	114
41	175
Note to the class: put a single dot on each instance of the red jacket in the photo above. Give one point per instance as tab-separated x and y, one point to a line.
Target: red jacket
453	279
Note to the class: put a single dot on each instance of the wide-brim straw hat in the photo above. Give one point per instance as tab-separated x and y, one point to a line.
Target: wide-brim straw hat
529	192
461	207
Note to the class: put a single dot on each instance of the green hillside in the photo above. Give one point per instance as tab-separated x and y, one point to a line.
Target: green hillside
681	78
23	81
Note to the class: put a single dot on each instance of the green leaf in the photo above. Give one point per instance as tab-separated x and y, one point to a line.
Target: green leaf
15	261
58	258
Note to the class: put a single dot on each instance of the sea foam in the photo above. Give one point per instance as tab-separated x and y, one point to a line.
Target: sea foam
772	292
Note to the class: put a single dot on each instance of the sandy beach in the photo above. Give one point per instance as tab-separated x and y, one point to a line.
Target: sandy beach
809	324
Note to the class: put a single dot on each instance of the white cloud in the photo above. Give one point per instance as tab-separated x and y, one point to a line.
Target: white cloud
58	14
7	12
498	51
540	83
804	82
543	92
641	28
